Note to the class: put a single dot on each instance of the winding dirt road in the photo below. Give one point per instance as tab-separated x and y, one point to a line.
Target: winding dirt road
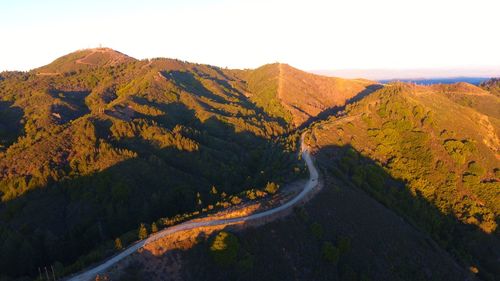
308	187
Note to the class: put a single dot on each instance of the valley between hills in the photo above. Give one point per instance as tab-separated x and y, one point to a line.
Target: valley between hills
99	151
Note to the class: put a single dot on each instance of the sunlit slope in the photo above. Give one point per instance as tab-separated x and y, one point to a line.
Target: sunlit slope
298	96
447	153
84	59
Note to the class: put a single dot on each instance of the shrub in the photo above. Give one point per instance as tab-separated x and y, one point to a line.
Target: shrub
118	244
224	248
271	187
330	252
475	169
317	230
154	228
497	172
344	245
235	200
458	150
143	232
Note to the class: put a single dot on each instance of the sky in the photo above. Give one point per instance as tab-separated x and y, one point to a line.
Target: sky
310	35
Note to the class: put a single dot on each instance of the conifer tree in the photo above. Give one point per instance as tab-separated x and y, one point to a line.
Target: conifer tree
154	228
118	244
143	232
213	190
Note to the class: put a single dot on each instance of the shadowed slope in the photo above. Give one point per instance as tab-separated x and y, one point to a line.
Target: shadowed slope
341	234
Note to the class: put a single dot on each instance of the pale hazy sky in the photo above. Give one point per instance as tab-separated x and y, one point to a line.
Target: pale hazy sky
311	35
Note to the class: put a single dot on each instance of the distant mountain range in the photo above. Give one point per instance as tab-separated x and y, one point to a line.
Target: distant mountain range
431	81
472	75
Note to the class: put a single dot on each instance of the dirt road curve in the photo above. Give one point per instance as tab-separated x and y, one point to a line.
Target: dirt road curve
308	187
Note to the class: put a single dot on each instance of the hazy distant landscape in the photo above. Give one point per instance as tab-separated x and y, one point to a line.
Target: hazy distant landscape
430	81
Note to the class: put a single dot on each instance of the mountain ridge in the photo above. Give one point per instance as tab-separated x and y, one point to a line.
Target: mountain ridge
103	142
107	132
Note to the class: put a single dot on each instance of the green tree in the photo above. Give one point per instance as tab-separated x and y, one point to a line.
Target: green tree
271	187
344	245
213	190
143	232
475	169
224	248
118	244
154	228
317	230
198	199
330	252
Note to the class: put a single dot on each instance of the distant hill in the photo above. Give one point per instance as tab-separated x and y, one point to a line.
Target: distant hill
84	59
298	96
416	73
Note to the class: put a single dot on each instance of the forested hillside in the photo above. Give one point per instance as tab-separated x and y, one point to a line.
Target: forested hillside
430	156
97	142
441	145
90	152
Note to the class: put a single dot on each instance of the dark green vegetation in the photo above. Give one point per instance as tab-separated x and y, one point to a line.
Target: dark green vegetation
224	249
443	154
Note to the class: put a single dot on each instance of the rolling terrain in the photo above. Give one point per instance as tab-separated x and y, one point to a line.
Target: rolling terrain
97	145
97	142
440	149
411	193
